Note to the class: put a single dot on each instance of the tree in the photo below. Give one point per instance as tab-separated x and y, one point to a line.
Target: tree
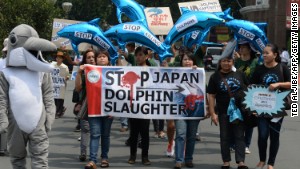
37	13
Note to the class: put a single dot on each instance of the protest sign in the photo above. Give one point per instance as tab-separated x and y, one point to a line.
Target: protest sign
58	83
146	92
74	72
203	5
159	20
58	24
264	102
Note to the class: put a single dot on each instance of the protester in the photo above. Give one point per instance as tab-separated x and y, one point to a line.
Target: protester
64	73
140	126
275	76
80	86
27	108
246	63
3	136
219	93
100	127
185	129
285	56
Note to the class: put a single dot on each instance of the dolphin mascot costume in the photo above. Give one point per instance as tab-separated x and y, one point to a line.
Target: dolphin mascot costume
27	107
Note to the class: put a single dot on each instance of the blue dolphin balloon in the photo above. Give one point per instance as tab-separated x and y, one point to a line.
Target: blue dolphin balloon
197	37
250	32
191	21
137	32
91	33
131	9
224	15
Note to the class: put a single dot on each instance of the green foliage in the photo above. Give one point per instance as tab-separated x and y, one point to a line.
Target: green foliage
37	13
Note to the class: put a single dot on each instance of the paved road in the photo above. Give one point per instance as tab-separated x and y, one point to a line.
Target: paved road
64	147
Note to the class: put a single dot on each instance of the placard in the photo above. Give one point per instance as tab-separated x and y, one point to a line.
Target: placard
264	102
146	92
159	20
204	5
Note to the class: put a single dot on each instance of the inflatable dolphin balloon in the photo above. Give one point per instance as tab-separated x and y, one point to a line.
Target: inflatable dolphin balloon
198	37
250	32
195	38
224	15
191	21
131	9
137	32
91	33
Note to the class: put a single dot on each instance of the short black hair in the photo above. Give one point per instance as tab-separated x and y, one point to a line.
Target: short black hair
141	49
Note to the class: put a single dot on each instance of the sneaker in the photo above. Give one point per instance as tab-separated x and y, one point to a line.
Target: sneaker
79	139
156	135
123	129
82	157
170	150
77	128
131	160
162	135
146	161
247	151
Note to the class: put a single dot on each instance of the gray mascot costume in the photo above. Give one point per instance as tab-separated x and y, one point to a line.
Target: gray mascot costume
27	107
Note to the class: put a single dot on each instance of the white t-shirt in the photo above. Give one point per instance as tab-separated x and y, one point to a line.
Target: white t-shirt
285	57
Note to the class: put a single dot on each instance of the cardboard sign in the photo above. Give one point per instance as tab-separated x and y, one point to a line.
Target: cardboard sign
58	24
264	102
159	20
146	92
203	5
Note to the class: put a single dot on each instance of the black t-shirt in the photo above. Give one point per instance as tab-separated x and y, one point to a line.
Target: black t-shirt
266	76
237	82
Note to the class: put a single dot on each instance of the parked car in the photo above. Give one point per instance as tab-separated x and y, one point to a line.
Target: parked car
216	53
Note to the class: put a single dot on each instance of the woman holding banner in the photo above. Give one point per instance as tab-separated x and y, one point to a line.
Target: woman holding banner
185	129
100	126
275	76
88	58
224	86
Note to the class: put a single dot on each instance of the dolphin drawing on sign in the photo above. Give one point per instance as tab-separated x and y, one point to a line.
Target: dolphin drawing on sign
155	11
133	10
250	32
88	32
192	21
137	32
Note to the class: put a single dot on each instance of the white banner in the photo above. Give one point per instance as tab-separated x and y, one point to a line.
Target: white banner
146	92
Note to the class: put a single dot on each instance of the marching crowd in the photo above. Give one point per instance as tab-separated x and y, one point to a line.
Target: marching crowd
241	67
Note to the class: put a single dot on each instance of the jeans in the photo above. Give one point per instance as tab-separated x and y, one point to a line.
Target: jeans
124	122
158	125
99	127
248	136
185	139
59	103
267	128
139	126
85	131
227	131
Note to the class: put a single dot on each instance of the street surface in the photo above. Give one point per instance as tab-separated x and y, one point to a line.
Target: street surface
64	147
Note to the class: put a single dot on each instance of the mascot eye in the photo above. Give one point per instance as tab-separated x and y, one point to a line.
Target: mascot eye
13	39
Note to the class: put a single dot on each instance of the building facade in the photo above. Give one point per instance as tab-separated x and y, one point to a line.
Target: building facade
272	12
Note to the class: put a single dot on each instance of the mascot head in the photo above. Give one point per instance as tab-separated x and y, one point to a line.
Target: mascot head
24	49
